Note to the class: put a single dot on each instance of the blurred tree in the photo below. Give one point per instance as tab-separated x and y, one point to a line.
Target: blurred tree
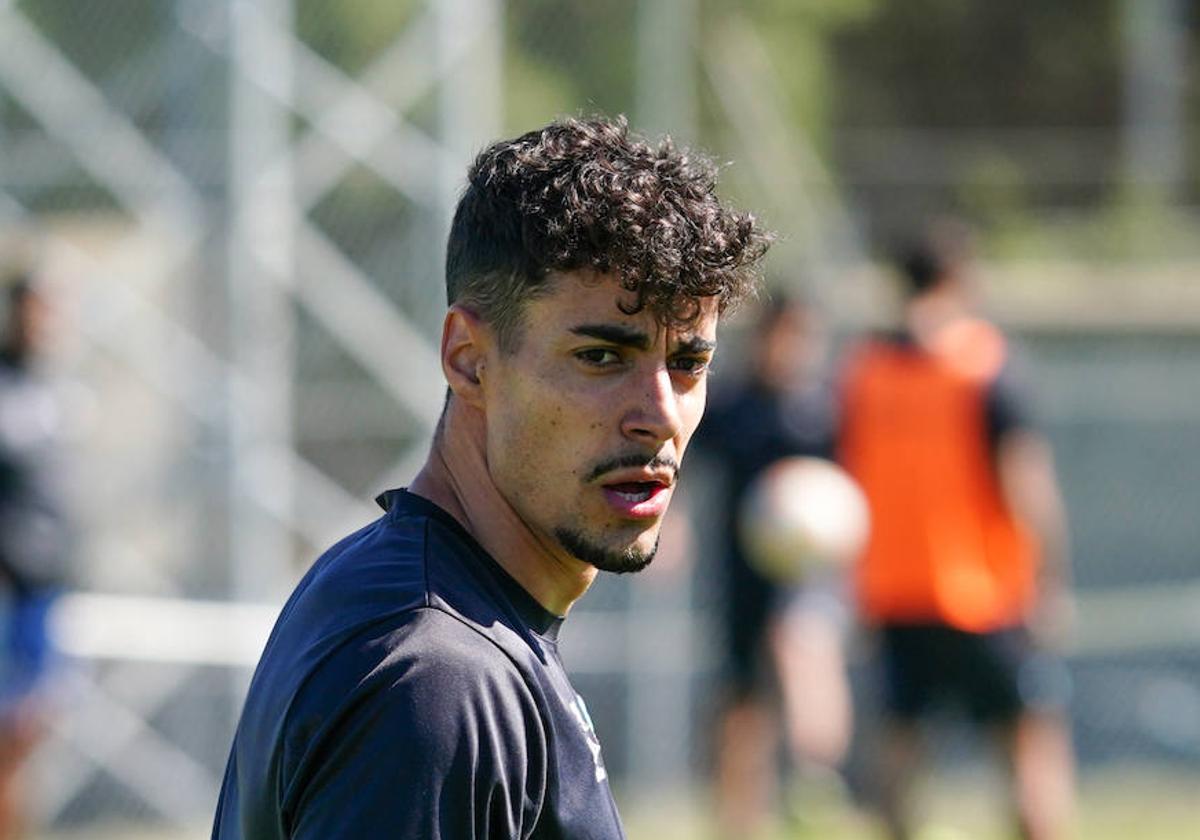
970	64
929	91
583	53
910	104
801	37
99	37
351	34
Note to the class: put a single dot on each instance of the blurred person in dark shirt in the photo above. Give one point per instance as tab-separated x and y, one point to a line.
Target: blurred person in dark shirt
784	678
964	576
35	537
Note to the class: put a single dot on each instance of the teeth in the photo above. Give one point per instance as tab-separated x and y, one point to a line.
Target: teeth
640	496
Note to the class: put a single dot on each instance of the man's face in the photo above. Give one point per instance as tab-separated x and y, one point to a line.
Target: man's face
27	330
588	417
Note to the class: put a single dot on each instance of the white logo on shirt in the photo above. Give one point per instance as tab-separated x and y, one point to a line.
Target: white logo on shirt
589	733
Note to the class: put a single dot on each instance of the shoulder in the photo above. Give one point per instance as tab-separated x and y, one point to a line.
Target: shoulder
409	718
434	651
435	676
375	572
406	597
972	347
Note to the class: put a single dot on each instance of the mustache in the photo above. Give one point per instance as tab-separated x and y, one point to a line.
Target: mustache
633	459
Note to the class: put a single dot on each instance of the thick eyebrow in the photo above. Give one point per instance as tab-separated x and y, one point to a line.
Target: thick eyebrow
695	344
624	336
615	334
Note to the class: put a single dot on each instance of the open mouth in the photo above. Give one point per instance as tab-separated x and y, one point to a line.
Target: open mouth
635	491
638	499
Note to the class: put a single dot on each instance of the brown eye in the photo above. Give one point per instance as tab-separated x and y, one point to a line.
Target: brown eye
599	356
691	365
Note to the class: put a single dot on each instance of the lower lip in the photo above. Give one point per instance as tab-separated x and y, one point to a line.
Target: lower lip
650	507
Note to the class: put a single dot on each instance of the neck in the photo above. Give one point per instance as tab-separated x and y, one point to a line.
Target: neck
456	478
927	314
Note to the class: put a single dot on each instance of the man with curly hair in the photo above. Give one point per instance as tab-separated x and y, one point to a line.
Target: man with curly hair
412	686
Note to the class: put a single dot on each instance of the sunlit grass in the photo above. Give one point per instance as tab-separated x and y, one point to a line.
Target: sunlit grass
1125	804
1146	804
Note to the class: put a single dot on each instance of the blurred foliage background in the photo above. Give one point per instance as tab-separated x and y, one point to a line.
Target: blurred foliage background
1006	113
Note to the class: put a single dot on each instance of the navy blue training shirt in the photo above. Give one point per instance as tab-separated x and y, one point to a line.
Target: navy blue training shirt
412	689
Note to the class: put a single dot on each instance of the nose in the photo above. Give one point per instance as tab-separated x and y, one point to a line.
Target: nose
654	415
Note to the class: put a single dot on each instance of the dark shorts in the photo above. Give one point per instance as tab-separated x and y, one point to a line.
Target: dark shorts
753	605
750	604
993	676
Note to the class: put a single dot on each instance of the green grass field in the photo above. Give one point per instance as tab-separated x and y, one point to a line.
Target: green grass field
1127	804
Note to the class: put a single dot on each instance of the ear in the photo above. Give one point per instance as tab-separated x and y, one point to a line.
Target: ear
466	340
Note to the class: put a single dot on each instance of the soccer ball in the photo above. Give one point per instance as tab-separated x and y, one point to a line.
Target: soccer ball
802	514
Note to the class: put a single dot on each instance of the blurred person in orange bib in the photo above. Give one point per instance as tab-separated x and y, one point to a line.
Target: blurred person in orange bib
963	577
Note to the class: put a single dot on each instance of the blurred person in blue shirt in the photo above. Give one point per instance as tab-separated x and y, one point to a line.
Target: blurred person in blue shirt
35	536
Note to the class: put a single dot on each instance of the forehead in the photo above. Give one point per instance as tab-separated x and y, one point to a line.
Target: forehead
578	297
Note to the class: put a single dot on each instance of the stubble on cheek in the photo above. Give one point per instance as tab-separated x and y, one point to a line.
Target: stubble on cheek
533	467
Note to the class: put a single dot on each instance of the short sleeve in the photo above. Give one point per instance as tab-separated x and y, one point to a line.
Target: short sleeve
442	740
1007	404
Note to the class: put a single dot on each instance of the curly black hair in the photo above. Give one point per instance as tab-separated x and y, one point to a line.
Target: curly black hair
585	194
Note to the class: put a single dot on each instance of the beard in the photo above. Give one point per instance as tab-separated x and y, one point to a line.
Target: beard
618	561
